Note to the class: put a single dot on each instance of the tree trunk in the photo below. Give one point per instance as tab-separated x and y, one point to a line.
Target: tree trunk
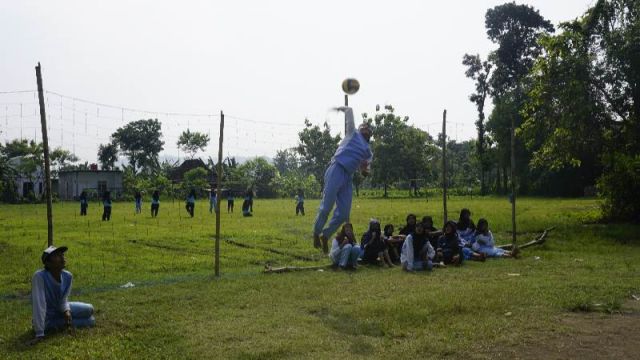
385	190
498	186
505	179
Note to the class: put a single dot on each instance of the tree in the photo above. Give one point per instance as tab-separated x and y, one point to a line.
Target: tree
479	71
259	174
61	159
192	142
196	179
107	155
140	142
400	151
516	30
564	123
316	148
286	161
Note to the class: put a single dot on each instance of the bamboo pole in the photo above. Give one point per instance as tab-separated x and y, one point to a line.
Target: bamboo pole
219	196
444	164
513	184
45	147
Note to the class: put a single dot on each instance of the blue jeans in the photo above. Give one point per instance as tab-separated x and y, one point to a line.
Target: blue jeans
346	256
419	265
81	316
337	190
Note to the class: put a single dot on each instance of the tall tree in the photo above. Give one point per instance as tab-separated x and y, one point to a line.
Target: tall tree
286	161
192	142
259	174
400	151
564	123
479	71
141	142
316	148
107	155
516	30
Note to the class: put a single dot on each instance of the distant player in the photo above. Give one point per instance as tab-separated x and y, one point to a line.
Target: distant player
352	154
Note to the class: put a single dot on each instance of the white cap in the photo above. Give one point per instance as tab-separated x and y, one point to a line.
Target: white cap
50	250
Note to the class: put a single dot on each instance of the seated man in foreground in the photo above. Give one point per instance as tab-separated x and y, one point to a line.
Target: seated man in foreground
49	296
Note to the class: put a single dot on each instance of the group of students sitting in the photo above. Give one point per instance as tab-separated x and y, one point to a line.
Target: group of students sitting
418	246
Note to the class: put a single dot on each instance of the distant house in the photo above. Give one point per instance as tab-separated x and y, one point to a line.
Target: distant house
30	177
71	183
177	175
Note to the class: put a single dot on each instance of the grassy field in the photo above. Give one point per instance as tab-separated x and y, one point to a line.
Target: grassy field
178	310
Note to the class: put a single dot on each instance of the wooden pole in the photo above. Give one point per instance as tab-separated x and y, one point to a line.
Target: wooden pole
513	183
45	147
444	163
346	103
219	196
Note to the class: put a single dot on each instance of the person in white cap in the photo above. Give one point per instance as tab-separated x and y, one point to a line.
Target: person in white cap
49	296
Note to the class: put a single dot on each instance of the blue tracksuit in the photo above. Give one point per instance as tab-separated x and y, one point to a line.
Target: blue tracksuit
352	152
50	300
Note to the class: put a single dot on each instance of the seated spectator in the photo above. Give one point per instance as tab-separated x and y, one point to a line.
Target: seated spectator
417	252
374	246
485	243
49	296
344	249
449	250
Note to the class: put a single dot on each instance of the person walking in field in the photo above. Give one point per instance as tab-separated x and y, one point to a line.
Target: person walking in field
155	203
138	198
230	201
84	203
352	154
106	204
213	201
191	202
300	203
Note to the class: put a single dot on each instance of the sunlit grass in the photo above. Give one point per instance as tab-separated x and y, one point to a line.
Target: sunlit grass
178	310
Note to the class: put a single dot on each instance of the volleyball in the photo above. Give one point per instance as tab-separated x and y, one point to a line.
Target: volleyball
350	86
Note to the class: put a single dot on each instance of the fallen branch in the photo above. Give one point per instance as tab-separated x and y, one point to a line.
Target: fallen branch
274	251
539	241
271	270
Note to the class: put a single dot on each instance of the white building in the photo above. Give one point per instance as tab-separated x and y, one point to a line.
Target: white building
27	181
71	183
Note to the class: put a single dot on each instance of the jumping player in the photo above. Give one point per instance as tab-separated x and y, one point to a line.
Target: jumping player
352	154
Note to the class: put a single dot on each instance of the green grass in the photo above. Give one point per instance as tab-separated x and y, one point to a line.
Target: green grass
178	310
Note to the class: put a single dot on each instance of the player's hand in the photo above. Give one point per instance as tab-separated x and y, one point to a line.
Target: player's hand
67	317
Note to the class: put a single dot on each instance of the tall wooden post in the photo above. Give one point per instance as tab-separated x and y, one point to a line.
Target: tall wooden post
45	146
444	163
219	196
346	103
513	183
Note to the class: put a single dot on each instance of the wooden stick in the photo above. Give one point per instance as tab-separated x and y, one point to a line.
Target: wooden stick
444	164
219	196
45	147
271	270
539	241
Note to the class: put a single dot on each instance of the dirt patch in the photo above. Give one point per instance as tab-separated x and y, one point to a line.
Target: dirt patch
589	336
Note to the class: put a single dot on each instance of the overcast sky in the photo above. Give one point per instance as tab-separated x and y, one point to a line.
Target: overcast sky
267	64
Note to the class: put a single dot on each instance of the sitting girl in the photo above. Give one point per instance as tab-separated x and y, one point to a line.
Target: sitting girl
467	232
432	233
449	250
485	244
374	245
392	240
344	250
417	252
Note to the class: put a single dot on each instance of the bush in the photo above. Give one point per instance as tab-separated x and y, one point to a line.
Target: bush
620	187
